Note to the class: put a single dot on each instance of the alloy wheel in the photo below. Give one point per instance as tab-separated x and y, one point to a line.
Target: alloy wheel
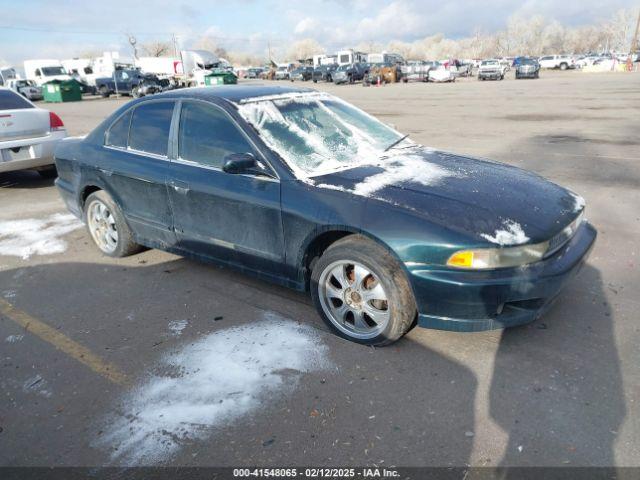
354	299
102	225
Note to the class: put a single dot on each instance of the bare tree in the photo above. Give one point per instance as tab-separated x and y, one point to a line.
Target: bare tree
303	49
157	48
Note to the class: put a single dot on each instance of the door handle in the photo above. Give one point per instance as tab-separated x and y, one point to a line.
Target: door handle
181	187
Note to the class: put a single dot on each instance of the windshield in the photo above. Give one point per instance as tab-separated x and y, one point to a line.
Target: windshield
527	61
50	71
319	133
490	62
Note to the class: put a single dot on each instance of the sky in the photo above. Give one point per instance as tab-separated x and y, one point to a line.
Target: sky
66	28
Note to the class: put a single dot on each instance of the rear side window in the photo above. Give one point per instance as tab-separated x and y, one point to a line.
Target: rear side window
10	100
207	135
118	134
150	125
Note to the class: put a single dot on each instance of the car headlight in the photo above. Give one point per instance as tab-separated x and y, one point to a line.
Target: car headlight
487	258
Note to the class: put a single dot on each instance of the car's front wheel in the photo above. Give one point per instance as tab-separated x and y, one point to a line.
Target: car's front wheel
107	226
362	293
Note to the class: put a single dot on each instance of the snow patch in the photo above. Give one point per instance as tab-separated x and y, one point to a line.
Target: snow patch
37	385
177	326
579	202
222	377
24	238
401	169
14	338
512	234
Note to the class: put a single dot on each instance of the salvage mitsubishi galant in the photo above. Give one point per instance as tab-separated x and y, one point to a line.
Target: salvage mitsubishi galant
303	189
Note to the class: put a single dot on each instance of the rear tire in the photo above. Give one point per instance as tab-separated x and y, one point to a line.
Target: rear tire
49	172
563	66
107	226
372	303
104	91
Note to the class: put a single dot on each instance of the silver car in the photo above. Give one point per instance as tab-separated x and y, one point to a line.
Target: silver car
28	135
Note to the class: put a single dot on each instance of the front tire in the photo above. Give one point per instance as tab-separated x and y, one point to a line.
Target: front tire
107	226
362	293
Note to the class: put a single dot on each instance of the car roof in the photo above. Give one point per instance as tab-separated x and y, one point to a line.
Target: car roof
233	93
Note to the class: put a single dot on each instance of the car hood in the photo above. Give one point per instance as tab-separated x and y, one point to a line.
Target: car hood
486	200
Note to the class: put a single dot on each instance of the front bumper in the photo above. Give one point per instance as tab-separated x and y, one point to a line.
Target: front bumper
472	301
526	74
490	75
32	153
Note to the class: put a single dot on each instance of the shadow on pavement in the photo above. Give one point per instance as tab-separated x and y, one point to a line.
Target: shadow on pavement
557	384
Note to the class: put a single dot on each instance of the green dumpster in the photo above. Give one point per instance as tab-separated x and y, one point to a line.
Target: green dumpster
62	91
221	77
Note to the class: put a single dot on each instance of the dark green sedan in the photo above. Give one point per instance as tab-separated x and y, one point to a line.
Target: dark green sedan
303	189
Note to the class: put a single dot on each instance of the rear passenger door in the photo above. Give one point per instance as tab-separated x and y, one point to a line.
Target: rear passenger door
135	168
234	218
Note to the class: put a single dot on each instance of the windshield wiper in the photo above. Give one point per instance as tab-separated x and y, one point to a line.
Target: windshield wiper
396	143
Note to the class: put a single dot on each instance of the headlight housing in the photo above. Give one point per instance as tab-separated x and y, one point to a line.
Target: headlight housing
488	258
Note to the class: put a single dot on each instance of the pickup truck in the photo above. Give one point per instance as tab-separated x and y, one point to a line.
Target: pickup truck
128	82
350	73
563	62
26	88
491	69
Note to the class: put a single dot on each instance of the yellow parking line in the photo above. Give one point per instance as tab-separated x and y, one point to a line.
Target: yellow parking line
62	343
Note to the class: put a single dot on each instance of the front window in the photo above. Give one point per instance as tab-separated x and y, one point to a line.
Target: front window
317	133
207	135
51	71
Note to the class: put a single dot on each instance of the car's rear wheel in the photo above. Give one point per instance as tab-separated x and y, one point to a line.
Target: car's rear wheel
563	66
362	293
48	172
107	226
104	91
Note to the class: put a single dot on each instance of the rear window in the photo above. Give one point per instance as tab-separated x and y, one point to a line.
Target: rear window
118	134
12	101
150	125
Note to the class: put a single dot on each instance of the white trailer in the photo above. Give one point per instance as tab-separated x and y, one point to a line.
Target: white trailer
347	57
80	68
43	71
160	66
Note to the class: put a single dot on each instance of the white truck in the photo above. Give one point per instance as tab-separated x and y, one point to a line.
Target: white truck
43	71
563	62
26	88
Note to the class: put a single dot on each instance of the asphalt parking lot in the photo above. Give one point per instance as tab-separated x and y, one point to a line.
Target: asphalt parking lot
94	350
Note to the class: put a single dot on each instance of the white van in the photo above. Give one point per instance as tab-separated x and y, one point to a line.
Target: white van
43	71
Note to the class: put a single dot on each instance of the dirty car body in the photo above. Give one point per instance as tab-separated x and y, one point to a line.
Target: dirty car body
424	208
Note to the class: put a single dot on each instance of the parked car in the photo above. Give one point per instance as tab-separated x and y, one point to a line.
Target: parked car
527	68
491	69
254	72
563	62
305	190
26	88
28	135
282	73
440	74
324	73
302	74
350	73
128	82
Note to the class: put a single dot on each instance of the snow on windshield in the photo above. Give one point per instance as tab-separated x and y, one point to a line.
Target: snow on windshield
317	133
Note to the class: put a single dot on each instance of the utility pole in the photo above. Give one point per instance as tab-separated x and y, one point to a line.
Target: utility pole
634	41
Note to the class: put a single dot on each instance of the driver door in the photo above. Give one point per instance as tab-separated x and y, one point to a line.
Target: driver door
234	218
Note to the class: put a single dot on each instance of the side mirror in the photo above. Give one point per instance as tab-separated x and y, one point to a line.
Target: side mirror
243	163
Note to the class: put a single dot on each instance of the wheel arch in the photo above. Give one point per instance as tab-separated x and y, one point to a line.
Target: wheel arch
321	239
